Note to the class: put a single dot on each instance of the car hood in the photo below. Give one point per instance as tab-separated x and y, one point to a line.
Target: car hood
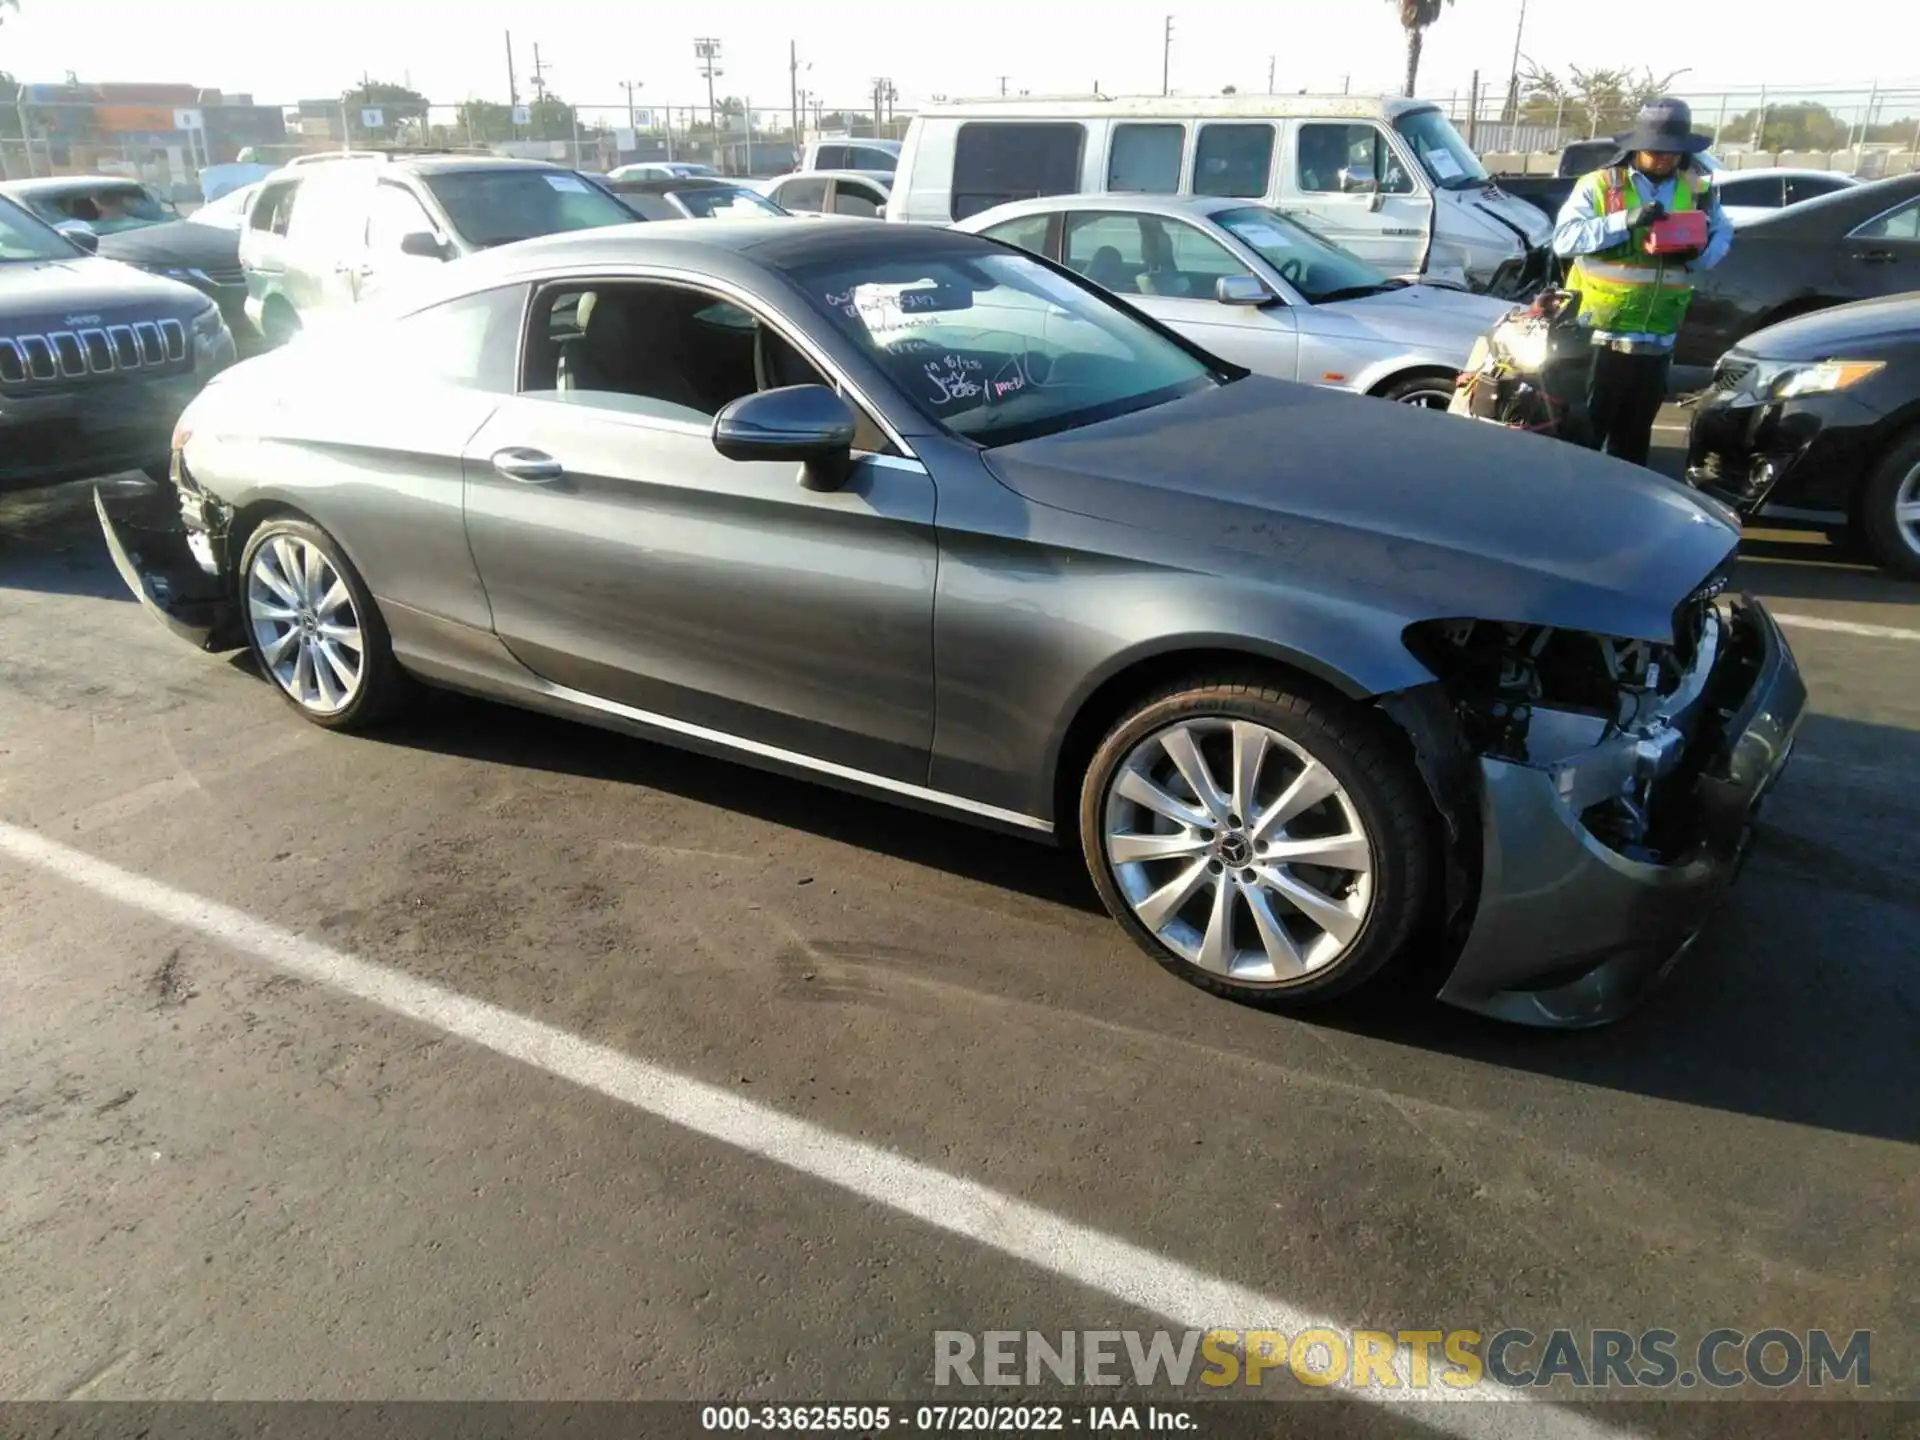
1429	515
1517	214
1828	334
178	242
1419	314
60	294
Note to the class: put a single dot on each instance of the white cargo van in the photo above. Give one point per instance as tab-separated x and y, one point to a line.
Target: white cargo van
1389	179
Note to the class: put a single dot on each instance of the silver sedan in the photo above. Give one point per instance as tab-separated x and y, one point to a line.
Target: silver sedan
1258	288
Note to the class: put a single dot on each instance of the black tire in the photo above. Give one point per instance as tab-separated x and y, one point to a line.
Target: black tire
384	688
1894	548
278	322
1429	392
1369	760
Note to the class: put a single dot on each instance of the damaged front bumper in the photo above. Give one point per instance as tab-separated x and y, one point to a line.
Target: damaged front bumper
1571	932
175	568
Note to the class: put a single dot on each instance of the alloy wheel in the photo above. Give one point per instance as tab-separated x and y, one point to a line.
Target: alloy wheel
1238	850
305	624
1438	398
1906	510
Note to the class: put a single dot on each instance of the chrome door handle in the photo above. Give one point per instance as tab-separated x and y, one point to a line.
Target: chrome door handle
531	467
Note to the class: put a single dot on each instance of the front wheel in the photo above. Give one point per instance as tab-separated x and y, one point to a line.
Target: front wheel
314	629
1427	392
1263	843
1889	511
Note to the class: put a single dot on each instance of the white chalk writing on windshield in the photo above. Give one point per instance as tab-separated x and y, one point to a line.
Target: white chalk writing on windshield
950	377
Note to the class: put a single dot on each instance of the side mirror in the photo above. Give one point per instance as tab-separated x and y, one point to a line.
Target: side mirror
81	234
423	245
1241	290
808	423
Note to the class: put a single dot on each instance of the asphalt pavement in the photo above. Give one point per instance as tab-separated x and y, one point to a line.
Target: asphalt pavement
492	1057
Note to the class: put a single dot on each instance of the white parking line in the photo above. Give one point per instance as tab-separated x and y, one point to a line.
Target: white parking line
1847	627
1190	1298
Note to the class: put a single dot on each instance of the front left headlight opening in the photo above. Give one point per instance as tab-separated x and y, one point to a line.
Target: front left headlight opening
1822	379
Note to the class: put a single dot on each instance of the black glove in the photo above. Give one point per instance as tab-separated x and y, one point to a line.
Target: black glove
1644	215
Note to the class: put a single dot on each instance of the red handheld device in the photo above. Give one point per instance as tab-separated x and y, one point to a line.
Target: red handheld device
1675	234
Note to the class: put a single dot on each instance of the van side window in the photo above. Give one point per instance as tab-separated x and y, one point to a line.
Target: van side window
1233	160
1145	159
994	162
1336	159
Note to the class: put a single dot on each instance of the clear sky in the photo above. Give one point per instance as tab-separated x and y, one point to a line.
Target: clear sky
283	53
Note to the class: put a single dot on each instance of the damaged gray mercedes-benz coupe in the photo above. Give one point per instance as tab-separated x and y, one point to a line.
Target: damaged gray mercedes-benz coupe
1327	693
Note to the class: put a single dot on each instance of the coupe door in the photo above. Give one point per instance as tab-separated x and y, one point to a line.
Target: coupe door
627	561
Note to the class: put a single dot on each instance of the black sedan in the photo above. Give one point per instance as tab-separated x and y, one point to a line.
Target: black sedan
1857	244
1819	418
924	516
126	221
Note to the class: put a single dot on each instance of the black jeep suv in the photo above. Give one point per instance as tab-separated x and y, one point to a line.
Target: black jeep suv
97	359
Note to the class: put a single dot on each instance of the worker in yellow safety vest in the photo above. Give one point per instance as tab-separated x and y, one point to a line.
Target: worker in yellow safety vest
1631	300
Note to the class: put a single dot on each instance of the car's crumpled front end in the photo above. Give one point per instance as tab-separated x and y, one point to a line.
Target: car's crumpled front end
1610	787
170	548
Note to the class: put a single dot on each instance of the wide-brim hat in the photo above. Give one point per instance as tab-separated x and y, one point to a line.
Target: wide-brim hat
1665	127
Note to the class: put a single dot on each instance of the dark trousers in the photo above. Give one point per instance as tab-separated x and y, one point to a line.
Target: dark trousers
1624	395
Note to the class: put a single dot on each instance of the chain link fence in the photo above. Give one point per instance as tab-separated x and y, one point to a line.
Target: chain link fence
169	148
1867	130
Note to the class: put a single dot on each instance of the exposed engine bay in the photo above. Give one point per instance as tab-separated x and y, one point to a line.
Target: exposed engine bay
1622	725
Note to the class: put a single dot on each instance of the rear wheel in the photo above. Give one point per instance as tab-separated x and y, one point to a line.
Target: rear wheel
278	322
1890	510
313	628
1428	392
1263	843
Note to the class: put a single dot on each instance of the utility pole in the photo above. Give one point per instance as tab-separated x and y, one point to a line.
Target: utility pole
632	85
1270	63
1513	75
539	95
707	50
1003	86
513	91
793	97
1166	59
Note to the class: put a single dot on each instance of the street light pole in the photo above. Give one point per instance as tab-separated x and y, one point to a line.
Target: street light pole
707	49
1166	58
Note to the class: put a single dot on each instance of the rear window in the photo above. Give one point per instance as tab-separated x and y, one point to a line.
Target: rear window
1145	159
273	211
498	207
995	162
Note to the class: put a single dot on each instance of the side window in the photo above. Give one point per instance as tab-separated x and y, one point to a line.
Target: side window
1348	159
1029	232
661	352
1901	224
273	211
1198	259
394	213
866	158
1109	250
1759	191
472	342
850	197
1145	159
805	194
333	217
994	162
1233	160
832	157
1809	187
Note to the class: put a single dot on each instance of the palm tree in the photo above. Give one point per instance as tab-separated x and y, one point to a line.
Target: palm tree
1415	17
